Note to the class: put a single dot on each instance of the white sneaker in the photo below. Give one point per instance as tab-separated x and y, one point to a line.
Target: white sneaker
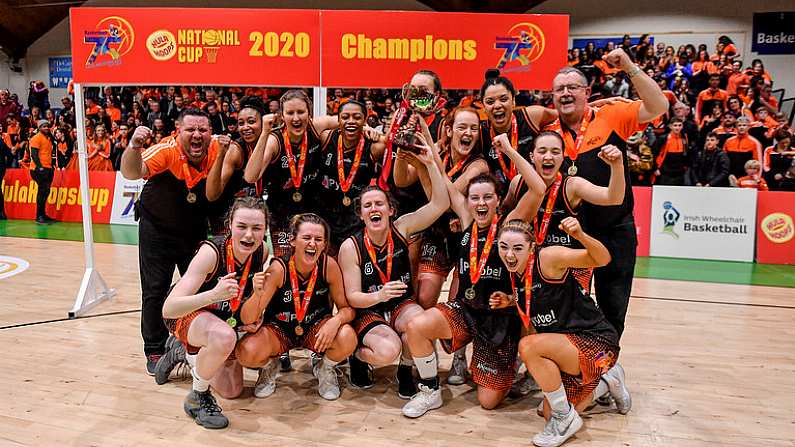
458	370
559	428
327	384
266	381
425	400
618	388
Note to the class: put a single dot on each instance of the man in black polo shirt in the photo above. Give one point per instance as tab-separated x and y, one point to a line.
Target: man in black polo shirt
172	210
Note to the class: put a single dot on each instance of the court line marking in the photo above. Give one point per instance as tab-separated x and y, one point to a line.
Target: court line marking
684	300
58	320
10	266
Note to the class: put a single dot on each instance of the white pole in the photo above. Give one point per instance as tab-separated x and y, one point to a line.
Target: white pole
93	289
319	100
82	154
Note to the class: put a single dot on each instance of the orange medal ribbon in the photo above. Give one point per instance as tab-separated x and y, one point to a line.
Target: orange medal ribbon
528	289
457	166
551	198
345	183
509	173
390	249
475	266
296	174
301	305
234	303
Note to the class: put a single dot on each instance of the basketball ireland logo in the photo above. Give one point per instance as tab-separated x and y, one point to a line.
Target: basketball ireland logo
670	218
113	37
524	45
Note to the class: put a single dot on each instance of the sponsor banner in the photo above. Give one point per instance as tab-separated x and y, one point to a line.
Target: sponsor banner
773	33
60	71
703	223
125	194
384	48
642	218
196	46
64	202
775	239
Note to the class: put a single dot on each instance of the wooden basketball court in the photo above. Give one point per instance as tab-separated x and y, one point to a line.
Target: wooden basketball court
707	364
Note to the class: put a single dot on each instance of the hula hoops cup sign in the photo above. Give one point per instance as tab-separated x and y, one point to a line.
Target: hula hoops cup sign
775	238
283	47
196	46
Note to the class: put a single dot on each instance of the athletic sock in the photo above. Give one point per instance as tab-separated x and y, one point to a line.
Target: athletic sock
600	389
427	367
191	359
199	385
558	401
328	363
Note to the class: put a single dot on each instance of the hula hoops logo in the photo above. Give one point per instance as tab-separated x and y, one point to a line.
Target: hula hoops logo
10	266
523	46
113	38
778	228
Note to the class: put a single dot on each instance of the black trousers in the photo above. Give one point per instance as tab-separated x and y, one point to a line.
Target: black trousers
43	179
613	282
158	253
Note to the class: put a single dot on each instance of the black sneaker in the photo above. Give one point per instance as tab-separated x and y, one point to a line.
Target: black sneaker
151	363
405	379
50	219
285	363
173	357
361	373
203	409
42	221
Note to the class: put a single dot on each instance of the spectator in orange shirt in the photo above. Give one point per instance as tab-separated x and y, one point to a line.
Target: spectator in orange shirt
41	169
758	69
712	94
742	147
92	109
98	150
737	78
752	177
672	152
113	112
728	127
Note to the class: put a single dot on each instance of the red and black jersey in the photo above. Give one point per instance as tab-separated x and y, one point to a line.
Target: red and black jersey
401	268
223	310
328	204
281	308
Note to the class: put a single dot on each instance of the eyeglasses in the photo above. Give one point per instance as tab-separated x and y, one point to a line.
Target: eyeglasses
572	88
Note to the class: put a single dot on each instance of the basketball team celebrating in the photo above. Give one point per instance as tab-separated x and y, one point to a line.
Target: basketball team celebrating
530	209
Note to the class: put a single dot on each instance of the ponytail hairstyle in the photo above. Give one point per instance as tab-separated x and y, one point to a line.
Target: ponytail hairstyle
486	177
390	199
287	96
520	227
549	133
247	202
299	219
493	77
253	102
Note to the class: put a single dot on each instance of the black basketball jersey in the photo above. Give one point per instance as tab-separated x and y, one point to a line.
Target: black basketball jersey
281	308
329	204
223	310
493	275
401	268
279	183
563	306
526	132
237	186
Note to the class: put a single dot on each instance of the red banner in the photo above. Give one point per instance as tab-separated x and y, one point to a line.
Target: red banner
196	46
775	231
642	218
64	202
383	49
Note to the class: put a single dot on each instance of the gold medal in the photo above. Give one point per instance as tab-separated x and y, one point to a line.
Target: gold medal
346	201
470	293
191	198
572	170
231	322
297	196
299	331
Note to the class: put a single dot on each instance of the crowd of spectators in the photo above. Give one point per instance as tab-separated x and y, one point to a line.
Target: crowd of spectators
721	116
